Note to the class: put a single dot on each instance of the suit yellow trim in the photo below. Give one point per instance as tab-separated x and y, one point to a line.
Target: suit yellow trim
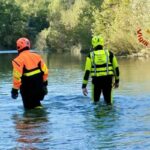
32	73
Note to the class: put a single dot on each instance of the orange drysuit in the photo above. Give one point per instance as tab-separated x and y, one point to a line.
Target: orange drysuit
30	73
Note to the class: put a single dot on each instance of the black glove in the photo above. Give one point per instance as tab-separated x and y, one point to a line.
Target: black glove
116	84
14	93
45	90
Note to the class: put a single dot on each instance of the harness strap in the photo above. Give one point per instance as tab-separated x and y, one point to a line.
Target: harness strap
107	59
93	61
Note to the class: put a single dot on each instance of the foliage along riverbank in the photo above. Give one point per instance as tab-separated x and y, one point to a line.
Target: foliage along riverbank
68	25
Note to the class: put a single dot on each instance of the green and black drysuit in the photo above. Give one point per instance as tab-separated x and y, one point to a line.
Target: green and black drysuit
102	66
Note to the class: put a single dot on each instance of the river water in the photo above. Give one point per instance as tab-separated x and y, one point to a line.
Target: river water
70	121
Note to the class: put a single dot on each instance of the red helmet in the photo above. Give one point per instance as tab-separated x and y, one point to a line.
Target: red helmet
23	43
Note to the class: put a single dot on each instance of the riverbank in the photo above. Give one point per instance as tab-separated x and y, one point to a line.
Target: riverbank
144	53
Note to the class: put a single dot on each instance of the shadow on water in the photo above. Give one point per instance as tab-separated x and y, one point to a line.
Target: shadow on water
32	129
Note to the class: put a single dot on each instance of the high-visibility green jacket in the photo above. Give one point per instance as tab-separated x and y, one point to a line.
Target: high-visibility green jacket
100	63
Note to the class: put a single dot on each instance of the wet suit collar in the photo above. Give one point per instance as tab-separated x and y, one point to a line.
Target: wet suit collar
22	50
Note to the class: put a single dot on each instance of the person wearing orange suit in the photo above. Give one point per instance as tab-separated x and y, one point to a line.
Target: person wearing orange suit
30	75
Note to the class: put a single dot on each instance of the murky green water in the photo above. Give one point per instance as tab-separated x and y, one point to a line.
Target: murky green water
69	121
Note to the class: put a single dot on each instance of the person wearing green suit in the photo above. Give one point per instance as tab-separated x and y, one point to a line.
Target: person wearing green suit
101	64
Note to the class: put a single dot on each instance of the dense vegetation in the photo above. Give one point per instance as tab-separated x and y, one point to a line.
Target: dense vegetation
67	25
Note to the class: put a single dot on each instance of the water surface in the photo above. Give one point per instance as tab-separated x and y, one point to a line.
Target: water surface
70	121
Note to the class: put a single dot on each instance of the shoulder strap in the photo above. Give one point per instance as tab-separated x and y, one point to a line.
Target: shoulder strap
111	55
107	61
92	56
